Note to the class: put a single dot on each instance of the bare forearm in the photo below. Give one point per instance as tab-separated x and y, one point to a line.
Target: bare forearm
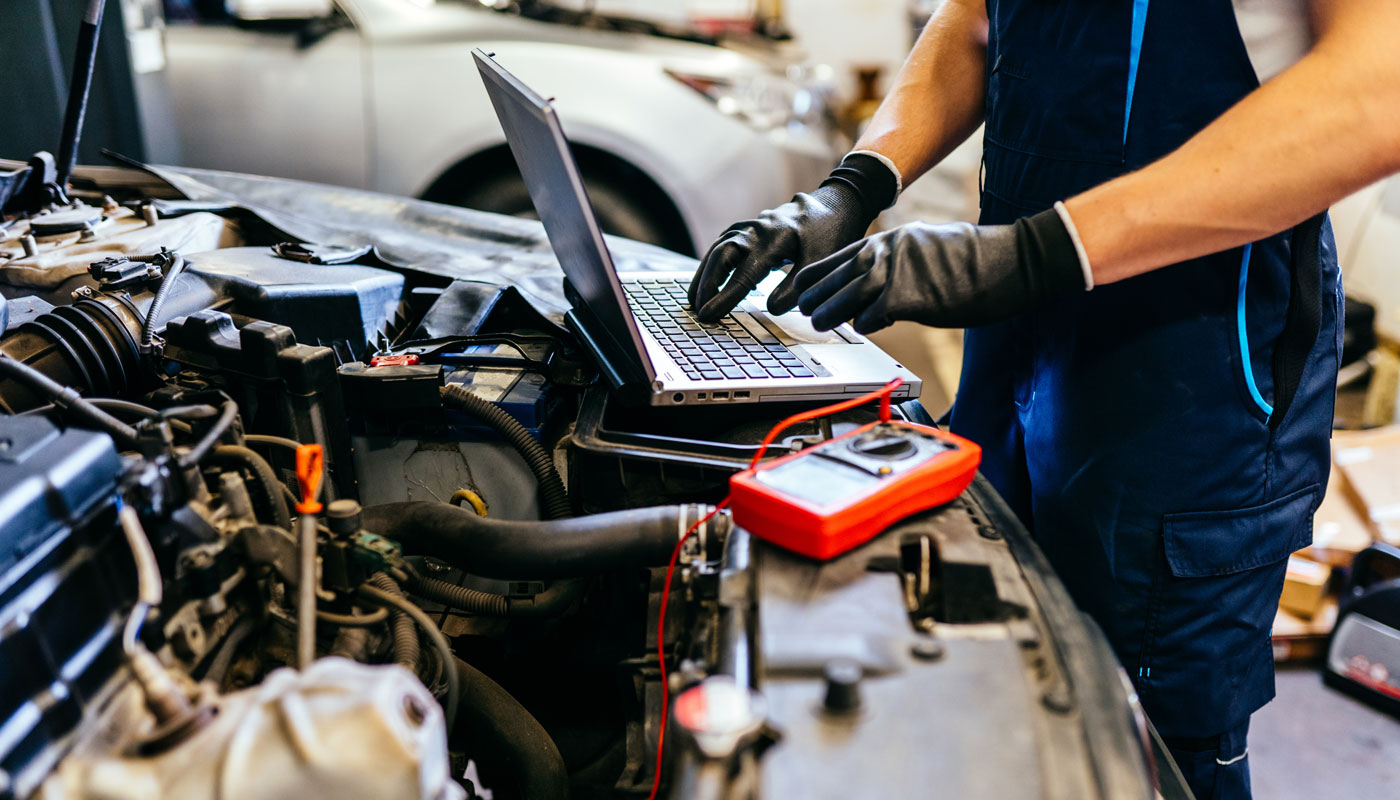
938	96
1320	131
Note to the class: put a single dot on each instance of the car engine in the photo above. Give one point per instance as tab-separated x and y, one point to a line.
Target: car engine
309	492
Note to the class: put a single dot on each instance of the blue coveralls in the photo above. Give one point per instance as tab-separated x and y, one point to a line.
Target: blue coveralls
1165	438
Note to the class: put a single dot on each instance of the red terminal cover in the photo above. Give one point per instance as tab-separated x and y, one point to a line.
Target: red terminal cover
394	361
826	531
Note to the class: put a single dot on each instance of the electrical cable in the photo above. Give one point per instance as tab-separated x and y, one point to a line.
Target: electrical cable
68	399
554	500
201	448
280	441
148	581
174	265
883	395
457	597
265	488
402	631
435	634
115	406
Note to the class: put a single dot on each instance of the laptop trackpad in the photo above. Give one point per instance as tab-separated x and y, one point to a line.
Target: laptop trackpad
791	328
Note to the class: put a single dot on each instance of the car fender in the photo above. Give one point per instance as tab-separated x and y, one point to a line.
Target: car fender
649	120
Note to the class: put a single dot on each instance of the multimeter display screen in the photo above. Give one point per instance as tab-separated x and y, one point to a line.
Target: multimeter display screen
819	481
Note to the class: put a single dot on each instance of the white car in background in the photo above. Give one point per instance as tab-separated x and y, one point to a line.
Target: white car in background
676	139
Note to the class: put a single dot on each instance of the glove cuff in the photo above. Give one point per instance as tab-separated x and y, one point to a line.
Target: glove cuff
1049	256
1079	250
871	183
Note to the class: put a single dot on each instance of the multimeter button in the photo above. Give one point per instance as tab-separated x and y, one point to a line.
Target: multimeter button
883	445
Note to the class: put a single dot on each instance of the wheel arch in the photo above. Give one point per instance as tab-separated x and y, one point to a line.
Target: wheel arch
595	163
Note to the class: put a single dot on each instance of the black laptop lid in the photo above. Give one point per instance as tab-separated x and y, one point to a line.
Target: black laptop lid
556	187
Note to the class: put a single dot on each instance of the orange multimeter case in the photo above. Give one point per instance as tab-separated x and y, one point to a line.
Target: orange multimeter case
839	494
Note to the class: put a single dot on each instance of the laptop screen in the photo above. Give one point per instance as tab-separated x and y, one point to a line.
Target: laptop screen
552	177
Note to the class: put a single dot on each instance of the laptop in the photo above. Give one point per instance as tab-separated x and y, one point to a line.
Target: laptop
638	324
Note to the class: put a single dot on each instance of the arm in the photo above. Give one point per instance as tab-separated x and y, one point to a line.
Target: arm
936	102
938	96
1323	129
1311	136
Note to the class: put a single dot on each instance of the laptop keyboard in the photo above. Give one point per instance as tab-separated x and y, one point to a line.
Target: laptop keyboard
724	350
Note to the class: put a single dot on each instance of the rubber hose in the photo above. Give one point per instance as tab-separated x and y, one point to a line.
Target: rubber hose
67	398
558	598
265	486
458	597
566	548
554	500
404	630
509	736
350	643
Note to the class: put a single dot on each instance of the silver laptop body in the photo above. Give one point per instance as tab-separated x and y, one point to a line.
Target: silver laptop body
750	356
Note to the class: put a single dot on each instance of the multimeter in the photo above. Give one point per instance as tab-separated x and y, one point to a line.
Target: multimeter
830	498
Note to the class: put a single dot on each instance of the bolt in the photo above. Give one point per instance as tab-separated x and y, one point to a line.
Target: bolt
842	685
29	244
6	444
150	214
87	234
926	648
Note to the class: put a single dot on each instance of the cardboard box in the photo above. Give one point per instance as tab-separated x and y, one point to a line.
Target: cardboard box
1339	529
1298	639
1304	587
1369	462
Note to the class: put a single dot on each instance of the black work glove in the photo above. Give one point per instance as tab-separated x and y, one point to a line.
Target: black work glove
948	276
804	230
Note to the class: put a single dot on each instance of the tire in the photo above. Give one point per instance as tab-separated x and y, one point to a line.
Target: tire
618	212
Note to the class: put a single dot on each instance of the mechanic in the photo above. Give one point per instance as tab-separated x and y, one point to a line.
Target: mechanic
1152	297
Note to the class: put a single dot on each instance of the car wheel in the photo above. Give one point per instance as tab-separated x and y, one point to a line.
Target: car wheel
617	211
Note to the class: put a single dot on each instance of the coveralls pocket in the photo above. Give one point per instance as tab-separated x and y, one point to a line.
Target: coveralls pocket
1207	663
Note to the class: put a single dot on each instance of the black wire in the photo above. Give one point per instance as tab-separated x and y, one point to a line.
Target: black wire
67	398
353	620
175	264
211	437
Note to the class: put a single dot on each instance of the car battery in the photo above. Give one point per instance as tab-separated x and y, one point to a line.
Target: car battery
525	395
407	446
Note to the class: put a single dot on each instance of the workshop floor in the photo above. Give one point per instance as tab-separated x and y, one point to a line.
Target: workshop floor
1312	743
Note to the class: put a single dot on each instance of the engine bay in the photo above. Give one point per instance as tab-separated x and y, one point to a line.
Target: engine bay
469	607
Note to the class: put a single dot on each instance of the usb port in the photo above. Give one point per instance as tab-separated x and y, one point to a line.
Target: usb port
721	395
700	395
741	395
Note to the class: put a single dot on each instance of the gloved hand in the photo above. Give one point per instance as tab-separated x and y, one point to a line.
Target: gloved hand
801	231
948	276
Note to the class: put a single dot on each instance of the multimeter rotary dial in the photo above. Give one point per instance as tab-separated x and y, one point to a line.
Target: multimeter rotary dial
884	444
